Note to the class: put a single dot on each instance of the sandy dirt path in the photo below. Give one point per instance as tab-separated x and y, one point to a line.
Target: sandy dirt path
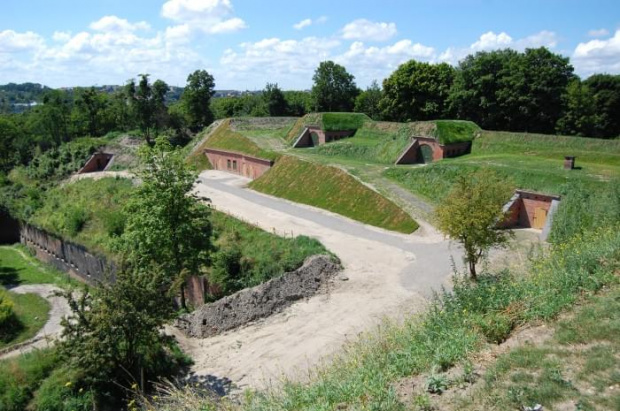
389	275
52	329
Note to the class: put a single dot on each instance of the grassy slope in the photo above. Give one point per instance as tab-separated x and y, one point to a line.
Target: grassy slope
226	139
32	312
533	162
334	190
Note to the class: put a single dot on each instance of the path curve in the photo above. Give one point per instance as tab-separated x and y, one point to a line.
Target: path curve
52	329
389	275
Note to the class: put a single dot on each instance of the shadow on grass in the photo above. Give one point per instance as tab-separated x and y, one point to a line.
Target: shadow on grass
10	330
9	276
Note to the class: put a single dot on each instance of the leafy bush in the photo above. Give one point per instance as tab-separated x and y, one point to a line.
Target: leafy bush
20	377
63	391
63	160
8	319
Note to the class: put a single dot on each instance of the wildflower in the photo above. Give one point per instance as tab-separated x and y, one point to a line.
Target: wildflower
68	384
155	397
81	389
134	386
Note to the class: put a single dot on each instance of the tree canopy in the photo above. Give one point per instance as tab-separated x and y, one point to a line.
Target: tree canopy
197	99
334	88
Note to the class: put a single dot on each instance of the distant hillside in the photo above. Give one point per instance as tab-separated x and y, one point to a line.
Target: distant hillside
15	98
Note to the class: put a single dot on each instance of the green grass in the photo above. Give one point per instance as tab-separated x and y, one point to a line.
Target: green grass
32	312
332	189
17	267
343	121
21	376
455	131
226	139
249	256
533	162
86	212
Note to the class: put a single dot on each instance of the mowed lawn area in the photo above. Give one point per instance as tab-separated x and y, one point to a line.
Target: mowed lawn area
32	311
533	162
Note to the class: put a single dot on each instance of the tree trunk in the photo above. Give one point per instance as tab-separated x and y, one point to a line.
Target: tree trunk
472	270
183	303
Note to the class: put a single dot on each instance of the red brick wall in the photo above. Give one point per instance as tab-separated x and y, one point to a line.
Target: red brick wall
526	214
247	166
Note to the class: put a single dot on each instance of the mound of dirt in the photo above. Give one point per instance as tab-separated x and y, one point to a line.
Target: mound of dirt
259	302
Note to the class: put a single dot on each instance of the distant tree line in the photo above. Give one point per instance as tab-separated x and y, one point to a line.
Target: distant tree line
531	91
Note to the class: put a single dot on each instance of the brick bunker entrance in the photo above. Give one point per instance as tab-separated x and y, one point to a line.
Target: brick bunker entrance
427	150
232	162
528	209
313	136
97	162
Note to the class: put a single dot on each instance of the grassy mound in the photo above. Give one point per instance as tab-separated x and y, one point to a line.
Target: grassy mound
533	162
343	121
332	189
455	131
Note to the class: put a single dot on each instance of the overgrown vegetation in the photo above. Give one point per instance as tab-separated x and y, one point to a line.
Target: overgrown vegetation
334	190
225	138
343	121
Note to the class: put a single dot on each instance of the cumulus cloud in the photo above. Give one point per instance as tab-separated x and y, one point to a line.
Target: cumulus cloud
598	33
208	16
598	56
493	41
12	41
302	24
116	24
363	29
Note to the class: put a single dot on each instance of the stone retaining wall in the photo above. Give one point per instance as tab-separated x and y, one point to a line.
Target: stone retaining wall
71	258
261	301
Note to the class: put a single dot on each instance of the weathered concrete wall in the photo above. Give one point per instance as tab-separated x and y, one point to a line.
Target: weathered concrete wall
247	166
259	302
522	208
97	162
9	229
71	258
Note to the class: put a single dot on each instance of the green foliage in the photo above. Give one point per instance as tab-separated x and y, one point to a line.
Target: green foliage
8	319
367	101
605	91
417	91
248	256
509	90
196	99
274	100
334	190
62	390
30	313
470	212
86	212
437	383
343	121
334	88
167	229
59	162
147	105
21	376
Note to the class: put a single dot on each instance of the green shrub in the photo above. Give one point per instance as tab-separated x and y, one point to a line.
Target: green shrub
63	391
20	377
8	319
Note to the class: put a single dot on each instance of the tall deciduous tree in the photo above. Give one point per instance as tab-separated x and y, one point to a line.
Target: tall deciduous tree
274	100
470	214
368	101
334	88
197	99
417	91
167	228
605	90
579	111
148	104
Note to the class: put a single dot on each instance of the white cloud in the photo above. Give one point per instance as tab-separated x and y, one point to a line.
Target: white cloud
116	24
208	16
598	33
302	24
493	41
12	41
363	29
290	62
61	36
598	56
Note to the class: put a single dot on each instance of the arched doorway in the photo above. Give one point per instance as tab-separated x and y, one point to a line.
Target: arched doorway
425	154
315	139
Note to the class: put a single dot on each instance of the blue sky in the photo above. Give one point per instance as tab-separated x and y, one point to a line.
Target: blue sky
247	43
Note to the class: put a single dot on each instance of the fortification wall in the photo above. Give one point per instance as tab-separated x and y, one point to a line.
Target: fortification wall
247	166
261	301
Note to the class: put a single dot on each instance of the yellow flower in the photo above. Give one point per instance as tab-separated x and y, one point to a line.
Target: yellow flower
155	397
68	384
81	389
134	386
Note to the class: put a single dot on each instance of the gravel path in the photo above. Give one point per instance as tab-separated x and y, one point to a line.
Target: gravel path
388	275
52	328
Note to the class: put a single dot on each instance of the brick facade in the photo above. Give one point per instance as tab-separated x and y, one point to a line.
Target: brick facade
528	209
247	166
412	154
